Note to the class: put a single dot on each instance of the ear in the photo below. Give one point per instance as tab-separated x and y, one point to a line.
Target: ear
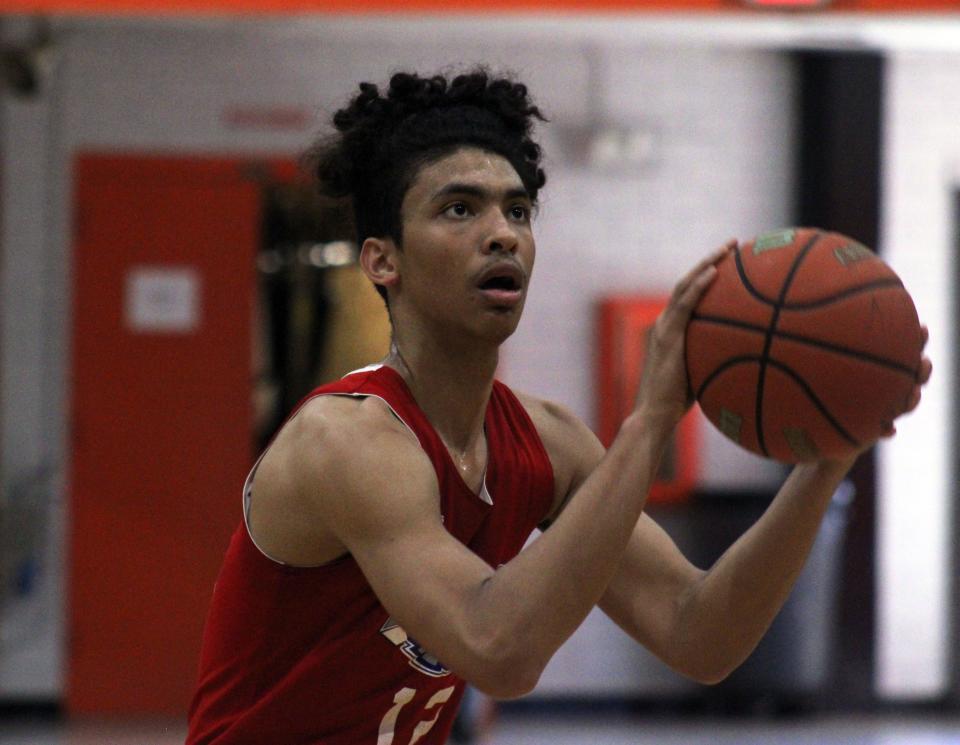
379	259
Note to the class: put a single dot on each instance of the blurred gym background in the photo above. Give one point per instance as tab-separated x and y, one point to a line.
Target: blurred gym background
170	286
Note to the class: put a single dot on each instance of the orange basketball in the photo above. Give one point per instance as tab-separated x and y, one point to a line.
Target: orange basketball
804	345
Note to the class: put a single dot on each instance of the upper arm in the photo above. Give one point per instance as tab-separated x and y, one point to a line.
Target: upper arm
376	491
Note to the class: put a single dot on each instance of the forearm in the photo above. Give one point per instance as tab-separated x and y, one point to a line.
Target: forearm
729	609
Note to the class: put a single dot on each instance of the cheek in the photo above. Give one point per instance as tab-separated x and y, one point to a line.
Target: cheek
530	253
438	275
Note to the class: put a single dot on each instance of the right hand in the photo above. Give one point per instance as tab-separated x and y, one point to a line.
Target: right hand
664	389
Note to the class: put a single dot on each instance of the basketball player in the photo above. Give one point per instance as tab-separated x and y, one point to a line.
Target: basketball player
379	564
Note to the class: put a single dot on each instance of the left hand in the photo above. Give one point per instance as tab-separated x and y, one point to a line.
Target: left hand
889	429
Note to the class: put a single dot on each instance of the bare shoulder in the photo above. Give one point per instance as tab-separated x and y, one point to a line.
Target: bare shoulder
320	480
560	429
339	429
573	448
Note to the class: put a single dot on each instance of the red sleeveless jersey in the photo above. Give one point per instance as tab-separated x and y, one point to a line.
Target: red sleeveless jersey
308	656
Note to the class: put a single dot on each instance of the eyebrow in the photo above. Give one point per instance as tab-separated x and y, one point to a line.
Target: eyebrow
517	192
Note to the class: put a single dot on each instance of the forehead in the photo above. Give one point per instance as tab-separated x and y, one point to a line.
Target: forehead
467	165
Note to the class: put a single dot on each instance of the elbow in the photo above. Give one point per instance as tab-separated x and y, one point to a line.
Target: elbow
706	672
506	687
505	673
711	677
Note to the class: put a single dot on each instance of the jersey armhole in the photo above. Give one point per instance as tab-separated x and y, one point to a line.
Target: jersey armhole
248	483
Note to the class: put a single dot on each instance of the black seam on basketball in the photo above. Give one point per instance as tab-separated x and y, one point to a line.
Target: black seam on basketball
827	346
738	262
768	341
821	407
865	356
879	284
732	362
818	404
721	321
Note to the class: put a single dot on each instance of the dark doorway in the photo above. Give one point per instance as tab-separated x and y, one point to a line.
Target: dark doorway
839	115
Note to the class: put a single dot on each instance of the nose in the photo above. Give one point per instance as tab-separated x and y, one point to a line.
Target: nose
501	235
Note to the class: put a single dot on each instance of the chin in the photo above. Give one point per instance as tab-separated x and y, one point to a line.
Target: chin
493	326
498	333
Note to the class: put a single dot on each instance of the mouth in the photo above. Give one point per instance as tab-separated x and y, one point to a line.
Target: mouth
502	284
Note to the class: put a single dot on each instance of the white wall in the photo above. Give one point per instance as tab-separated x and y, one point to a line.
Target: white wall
719	166
711	97
921	237
30	390
718	123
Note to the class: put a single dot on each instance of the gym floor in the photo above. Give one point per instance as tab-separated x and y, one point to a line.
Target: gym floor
560	729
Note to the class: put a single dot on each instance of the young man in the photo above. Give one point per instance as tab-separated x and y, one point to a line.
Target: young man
379	565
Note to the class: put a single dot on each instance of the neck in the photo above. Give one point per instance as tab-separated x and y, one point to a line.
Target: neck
451	385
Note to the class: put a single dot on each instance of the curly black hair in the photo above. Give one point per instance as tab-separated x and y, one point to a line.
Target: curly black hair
382	140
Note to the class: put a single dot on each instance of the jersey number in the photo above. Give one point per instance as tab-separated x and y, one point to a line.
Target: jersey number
404	696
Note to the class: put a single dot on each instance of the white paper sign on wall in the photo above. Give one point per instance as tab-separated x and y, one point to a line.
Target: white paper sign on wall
162	299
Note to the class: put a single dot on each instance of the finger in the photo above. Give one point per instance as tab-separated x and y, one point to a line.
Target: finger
914	400
926	370
709	260
718	253
676	316
925	335
687	300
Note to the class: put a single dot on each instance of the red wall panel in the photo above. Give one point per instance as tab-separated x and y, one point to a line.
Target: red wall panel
161	419
623	322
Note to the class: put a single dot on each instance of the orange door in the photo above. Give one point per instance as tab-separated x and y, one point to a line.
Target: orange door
164	253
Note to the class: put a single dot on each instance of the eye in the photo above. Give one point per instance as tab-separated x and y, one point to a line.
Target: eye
520	212
457	209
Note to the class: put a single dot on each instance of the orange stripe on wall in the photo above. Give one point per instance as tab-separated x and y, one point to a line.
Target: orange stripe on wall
241	7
